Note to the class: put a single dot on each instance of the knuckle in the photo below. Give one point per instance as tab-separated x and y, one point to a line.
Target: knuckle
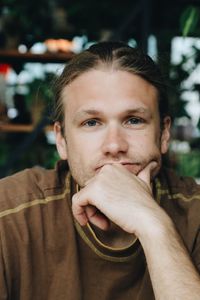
74	198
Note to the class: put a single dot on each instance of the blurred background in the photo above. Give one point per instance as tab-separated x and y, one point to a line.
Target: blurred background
38	37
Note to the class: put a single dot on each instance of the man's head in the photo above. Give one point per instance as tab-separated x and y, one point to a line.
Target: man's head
111	107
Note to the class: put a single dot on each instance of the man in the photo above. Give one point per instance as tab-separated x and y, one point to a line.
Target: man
118	225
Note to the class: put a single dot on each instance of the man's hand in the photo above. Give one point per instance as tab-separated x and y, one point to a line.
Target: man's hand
117	195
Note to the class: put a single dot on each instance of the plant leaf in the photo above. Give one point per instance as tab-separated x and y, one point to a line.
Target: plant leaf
189	20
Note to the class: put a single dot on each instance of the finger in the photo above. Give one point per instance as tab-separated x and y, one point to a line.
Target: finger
78	210
145	174
84	211
97	218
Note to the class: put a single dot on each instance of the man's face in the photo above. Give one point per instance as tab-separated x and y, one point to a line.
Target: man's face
110	117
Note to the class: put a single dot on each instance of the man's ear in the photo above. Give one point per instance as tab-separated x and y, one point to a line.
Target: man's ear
165	134
60	141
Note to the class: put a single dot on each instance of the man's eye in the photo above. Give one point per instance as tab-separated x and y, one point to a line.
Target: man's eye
90	123
134	121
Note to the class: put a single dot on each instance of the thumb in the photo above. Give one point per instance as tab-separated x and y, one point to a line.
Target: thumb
145	174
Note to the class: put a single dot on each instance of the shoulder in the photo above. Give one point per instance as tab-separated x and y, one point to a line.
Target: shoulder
180	197
29	184
178	187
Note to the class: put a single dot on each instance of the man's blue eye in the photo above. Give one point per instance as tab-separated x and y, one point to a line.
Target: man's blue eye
134	121
91	123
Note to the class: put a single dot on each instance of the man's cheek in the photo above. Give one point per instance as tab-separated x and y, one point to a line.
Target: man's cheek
151	154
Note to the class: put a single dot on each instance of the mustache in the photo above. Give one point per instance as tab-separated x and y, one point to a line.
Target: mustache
139	163
111	162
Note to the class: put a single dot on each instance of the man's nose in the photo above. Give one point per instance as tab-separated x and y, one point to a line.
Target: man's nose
115	141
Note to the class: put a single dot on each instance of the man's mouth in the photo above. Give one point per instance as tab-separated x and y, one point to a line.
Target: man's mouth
131	167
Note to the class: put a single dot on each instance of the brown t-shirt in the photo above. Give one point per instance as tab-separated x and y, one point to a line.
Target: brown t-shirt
46	255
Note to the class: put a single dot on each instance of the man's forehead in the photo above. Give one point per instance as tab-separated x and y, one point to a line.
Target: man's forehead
100	73
100	87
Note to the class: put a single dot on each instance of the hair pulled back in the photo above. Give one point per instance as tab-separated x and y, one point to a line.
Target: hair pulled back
110	55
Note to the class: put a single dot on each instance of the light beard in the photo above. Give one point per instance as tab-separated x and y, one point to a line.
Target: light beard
82	177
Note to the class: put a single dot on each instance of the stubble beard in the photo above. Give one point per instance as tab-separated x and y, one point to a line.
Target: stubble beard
83	175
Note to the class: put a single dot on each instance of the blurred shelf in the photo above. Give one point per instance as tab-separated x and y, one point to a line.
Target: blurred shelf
21	128
13	56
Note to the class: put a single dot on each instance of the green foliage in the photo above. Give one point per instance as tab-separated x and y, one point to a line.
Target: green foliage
189	20
4	150
179	73
188	164
30	21
40	90
177	77
39	153
198	125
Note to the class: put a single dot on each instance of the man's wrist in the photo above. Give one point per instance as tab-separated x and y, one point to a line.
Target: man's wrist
156	228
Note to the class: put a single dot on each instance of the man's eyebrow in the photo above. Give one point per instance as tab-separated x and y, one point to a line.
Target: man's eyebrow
95	113
139	110
86	113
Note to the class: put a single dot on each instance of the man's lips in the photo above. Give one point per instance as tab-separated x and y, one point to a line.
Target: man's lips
132	167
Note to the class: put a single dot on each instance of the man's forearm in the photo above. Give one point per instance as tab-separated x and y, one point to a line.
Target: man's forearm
172	272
